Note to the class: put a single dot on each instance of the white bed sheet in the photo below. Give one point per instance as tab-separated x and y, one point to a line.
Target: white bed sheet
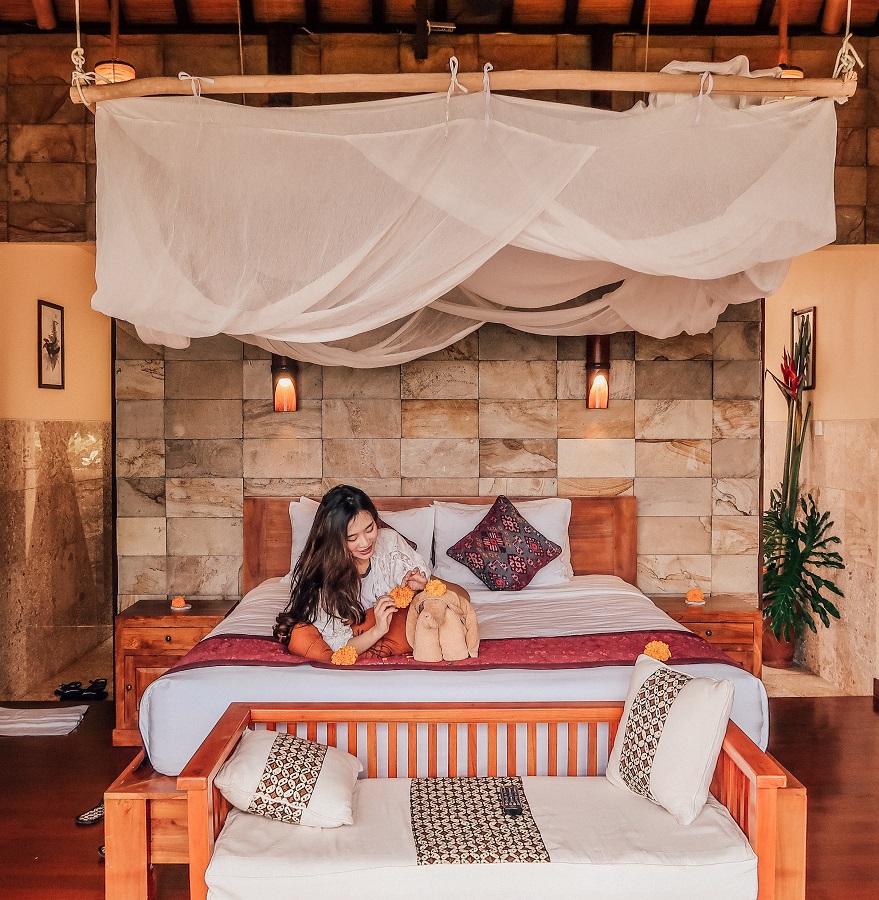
624	848
180	708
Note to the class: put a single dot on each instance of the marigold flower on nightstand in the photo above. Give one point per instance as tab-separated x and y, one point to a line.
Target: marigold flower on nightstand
435	587
402	596
658	650
344	656
694	595
178	601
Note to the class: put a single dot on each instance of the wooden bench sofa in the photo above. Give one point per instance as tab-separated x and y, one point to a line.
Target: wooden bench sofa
438	739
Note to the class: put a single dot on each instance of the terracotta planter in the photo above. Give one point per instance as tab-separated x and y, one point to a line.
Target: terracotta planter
777	654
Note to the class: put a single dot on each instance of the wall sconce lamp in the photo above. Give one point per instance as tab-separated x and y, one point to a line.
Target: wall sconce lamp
597	370
283	383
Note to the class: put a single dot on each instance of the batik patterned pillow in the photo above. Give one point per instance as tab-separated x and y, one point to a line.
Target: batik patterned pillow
283	777
504	551
669	737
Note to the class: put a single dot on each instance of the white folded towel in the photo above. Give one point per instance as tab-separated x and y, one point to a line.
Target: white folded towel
24	722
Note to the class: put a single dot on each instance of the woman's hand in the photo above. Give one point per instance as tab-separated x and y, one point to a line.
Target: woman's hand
415	579
384	609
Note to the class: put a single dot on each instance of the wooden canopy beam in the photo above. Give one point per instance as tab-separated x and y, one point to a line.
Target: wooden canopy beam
436	82
44	10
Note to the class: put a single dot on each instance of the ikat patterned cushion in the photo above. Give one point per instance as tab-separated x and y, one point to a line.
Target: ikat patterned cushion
283	777
669	737
504	551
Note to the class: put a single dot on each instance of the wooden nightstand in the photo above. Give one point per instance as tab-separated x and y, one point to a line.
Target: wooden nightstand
733	625
149	640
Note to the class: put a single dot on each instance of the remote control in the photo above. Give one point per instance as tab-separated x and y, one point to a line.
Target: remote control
510	802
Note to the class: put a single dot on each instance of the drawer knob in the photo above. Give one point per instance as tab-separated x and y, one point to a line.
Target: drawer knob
707	634
168	638
127	687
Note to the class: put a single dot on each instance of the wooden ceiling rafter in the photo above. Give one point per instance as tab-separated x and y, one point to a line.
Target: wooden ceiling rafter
312	15
765	13
44	10
700	13
572	11
636	16
248	18
183	13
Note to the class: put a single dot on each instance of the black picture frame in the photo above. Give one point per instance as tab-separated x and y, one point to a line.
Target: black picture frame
50	345
796	318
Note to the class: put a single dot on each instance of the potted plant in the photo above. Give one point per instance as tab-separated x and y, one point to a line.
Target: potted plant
797	540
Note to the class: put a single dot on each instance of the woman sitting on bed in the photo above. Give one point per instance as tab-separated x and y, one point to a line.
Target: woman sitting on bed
341	582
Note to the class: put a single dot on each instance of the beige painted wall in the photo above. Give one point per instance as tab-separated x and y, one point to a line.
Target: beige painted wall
63	274
841	465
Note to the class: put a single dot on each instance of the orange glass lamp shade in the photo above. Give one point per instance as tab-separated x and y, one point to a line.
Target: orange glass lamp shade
283	384
112	71
597	371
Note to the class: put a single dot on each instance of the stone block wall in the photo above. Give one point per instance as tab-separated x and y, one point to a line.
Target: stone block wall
499	412
56	591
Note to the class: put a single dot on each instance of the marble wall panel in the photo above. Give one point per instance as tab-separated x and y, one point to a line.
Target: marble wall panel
672	419
596	458
196	419
440	418
140	379
283	487
203	380
256	379
735	496
140	419
735	574
673	496
261	420
743	312
204	537
438	457
669	535
737	379
218	347
576	420
735	534
518	487
523	380
205	497
596	487
142	575
342	383
466	348
677	459
191	458
277	458
217	576
503	458
141	536
737	340
736	458
498	342
140	458
681	347
440	487
518	419
452	380
736	419
690	380
361	419
140	497
673	574
354	459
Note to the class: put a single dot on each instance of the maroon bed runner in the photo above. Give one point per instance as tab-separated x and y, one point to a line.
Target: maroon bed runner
574	652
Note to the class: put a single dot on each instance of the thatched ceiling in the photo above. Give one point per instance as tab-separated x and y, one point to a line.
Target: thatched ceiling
676	16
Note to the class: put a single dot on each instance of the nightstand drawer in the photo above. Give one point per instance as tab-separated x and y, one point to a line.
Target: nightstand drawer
157	640
724	632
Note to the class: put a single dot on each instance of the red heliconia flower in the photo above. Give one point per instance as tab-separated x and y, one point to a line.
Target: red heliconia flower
791	378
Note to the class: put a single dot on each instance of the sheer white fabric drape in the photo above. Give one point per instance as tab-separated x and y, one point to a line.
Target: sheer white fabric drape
365	235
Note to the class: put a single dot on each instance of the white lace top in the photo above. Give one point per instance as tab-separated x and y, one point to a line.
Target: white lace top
392	559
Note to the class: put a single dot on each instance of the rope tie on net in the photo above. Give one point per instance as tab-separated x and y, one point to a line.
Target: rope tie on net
195	81
486	87
706	86
847	58
453	83
80	77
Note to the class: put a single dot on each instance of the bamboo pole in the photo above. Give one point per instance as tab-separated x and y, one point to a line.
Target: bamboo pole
518	80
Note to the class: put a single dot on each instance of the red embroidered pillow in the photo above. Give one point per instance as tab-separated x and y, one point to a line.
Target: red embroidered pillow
504	551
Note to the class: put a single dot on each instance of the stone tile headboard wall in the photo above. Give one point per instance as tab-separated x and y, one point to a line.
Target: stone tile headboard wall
499	412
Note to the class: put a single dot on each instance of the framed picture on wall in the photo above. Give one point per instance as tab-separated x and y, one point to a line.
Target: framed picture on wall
50	344
797	318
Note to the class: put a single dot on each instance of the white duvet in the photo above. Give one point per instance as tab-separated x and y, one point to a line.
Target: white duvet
180	708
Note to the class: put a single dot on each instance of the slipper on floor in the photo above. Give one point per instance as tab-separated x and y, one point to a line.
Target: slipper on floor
92	816
72	687
95	690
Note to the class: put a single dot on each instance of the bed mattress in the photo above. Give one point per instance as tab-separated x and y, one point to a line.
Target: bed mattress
180	708
621	845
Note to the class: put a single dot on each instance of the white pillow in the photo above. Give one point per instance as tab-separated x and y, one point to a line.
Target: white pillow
283	777
551	516
414	524
669	737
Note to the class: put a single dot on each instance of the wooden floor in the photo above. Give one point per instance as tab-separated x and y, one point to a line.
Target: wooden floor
829	743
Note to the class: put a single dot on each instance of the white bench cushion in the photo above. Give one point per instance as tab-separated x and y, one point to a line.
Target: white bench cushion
604	842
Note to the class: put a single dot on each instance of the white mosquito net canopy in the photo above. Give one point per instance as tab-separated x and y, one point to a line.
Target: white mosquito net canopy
369	234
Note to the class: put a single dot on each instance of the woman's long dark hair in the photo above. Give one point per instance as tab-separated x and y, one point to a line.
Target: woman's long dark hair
325	575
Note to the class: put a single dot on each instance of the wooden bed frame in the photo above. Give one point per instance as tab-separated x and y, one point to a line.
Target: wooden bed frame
765	801
603	534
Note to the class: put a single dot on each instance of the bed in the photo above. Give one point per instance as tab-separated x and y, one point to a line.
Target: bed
179	709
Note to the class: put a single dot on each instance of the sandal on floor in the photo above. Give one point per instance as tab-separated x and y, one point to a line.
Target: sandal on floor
92	816
71	687
95	690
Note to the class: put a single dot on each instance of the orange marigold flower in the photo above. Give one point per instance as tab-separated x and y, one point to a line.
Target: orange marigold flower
435	587
658	650
178	602
402	596
344	656
694	595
